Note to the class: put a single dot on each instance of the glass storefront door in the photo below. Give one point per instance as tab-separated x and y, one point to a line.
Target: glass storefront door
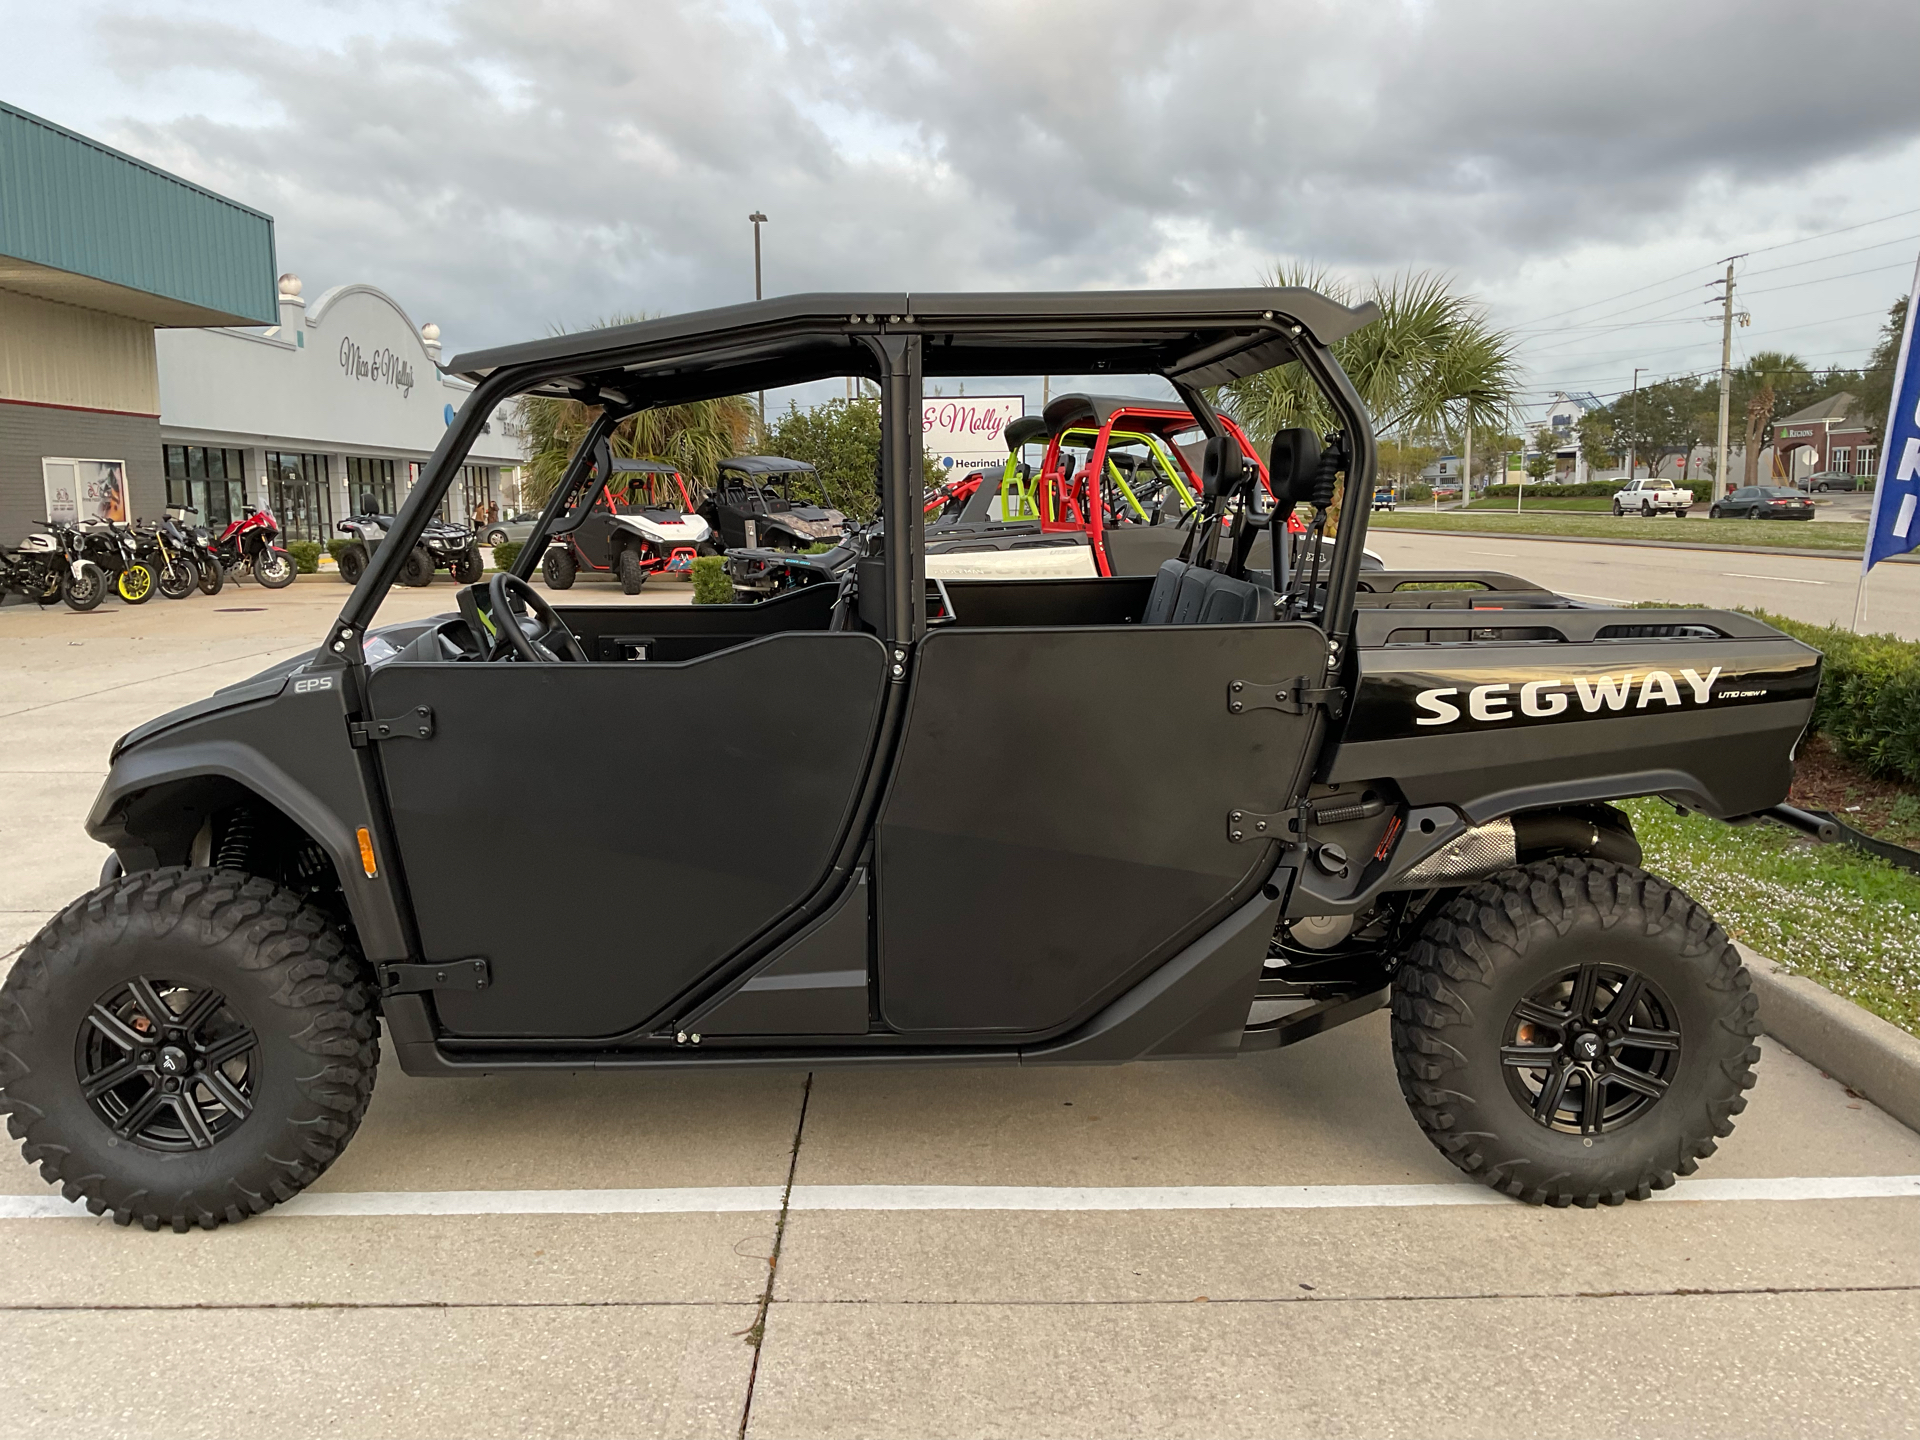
208	480
368	478
300	495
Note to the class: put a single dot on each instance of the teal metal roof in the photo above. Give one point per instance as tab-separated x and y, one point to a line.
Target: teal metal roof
72	204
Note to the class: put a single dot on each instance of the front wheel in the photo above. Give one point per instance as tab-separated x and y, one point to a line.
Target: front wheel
417	569
498	537
186	1047
273	567
557	568
1618	512
179	578
632	571
1574	1032
135	584
85	588
468	567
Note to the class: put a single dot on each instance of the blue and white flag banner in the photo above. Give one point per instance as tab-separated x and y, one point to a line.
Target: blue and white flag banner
1895	528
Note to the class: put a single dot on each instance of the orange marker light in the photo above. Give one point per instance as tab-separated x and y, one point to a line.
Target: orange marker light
366	853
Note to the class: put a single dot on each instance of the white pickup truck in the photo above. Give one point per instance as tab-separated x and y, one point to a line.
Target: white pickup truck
1651	497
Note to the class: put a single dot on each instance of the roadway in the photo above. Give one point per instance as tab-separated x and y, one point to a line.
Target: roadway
984	1252
1803	587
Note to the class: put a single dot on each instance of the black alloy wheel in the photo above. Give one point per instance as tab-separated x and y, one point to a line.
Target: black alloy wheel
179	578
166	1066
1591	1050
213	575
417	569
85	590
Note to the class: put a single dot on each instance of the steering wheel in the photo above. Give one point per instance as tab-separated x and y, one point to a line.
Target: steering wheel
502	592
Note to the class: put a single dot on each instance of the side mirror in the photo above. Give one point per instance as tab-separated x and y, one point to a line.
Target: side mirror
1292	461
1222	467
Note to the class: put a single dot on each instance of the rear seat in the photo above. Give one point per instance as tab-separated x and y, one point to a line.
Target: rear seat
1185	594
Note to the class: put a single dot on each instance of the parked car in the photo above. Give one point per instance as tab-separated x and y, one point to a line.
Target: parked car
909	822
1651	496
1833	480
513	529
1763	502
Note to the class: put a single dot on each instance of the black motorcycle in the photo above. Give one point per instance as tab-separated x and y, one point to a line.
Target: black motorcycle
167	550
113	547
199	541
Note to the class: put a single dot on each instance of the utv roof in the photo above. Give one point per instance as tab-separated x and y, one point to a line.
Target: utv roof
1065	411
1200	337
1020	432
766	465
622	466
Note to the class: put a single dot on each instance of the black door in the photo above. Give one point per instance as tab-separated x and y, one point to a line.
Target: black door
1057	823
605	834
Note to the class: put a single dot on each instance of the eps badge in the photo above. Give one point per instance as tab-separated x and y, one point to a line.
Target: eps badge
316	682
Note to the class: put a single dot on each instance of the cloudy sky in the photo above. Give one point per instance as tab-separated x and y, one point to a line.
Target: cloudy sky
504	167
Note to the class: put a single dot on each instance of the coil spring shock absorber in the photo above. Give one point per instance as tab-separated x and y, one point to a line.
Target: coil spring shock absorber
235	850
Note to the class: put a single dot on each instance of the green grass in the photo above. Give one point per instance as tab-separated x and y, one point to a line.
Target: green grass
1838	916
1564	502
1815	535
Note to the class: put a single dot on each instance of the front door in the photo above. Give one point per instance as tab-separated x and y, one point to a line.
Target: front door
1058	819
604	835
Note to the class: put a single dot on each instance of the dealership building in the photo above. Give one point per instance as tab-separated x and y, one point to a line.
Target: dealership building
150	356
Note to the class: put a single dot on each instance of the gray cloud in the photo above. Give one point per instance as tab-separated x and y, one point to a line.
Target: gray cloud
510	166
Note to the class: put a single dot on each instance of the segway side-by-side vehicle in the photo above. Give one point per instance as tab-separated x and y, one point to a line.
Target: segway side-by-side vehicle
753	505
1387	794
634	518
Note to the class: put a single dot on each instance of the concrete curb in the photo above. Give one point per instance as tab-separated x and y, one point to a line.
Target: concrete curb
1852	555
1856	1047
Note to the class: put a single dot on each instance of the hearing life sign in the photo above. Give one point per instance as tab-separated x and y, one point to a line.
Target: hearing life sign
1895	528
964	432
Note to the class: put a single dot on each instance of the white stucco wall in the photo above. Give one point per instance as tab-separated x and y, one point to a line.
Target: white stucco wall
347	374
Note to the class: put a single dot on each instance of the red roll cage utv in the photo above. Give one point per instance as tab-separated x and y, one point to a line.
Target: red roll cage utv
634	519
1391	784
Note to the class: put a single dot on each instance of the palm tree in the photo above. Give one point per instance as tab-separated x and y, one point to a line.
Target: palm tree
1764	377
695	435
1430	361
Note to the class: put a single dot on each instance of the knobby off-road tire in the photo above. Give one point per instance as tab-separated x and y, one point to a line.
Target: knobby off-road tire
557	569
352	563
1467	1000
632	571
282	971
417	569
468	567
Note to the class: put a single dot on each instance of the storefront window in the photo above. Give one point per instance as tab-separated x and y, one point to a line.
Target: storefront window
207	480
300	495
367	476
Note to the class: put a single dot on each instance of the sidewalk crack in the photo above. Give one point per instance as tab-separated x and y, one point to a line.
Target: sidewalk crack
757	1333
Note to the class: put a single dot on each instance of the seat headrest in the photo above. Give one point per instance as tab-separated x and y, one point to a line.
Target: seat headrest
1222	467
1292	462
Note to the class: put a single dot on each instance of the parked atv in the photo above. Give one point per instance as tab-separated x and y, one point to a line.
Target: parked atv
754	504
1384	792
635	520
443	545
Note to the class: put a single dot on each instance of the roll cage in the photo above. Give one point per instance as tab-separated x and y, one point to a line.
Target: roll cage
1194	339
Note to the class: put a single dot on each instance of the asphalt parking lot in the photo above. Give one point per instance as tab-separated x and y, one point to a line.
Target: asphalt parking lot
1266	1246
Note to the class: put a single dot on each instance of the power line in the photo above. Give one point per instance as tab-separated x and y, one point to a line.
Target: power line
1836	255
1843	230
1824	279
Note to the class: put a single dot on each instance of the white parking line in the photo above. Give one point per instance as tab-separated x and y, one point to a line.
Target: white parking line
1780	579
718	1200
1605	599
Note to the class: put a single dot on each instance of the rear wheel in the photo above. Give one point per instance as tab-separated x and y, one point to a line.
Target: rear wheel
1574	1032
557	568
135	584
352	563
213	576
417	569
273	567
186	1047
632	570
498	537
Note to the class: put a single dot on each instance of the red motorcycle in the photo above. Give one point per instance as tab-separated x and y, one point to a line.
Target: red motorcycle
247	544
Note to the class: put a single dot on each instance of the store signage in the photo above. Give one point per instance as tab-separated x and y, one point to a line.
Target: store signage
965	432
382	367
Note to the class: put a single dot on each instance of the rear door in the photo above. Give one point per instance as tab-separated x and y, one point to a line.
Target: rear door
604	835
1058	822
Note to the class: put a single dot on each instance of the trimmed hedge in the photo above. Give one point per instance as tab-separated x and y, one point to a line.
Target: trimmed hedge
505	555
306	556
1869	706
711	586
337	545
1592	489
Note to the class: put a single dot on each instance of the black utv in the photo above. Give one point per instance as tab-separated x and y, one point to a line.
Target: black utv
754	504
1387	793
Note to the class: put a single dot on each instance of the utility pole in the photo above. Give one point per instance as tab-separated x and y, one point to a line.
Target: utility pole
1726	379
1633	423
758	220
1466	464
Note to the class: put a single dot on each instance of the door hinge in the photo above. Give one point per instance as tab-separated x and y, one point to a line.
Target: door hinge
416	724
1293	696
1253	825
408	979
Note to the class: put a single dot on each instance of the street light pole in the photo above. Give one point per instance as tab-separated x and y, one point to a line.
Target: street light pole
758	220
1633	422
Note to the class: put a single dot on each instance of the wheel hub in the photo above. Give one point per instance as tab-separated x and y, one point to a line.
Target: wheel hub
1591	1050
167	1066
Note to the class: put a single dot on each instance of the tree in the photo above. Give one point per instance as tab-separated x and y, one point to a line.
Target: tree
1542	462
1429	359
1599	439
696	436
1401	460
1876	381
1756	390
841	440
